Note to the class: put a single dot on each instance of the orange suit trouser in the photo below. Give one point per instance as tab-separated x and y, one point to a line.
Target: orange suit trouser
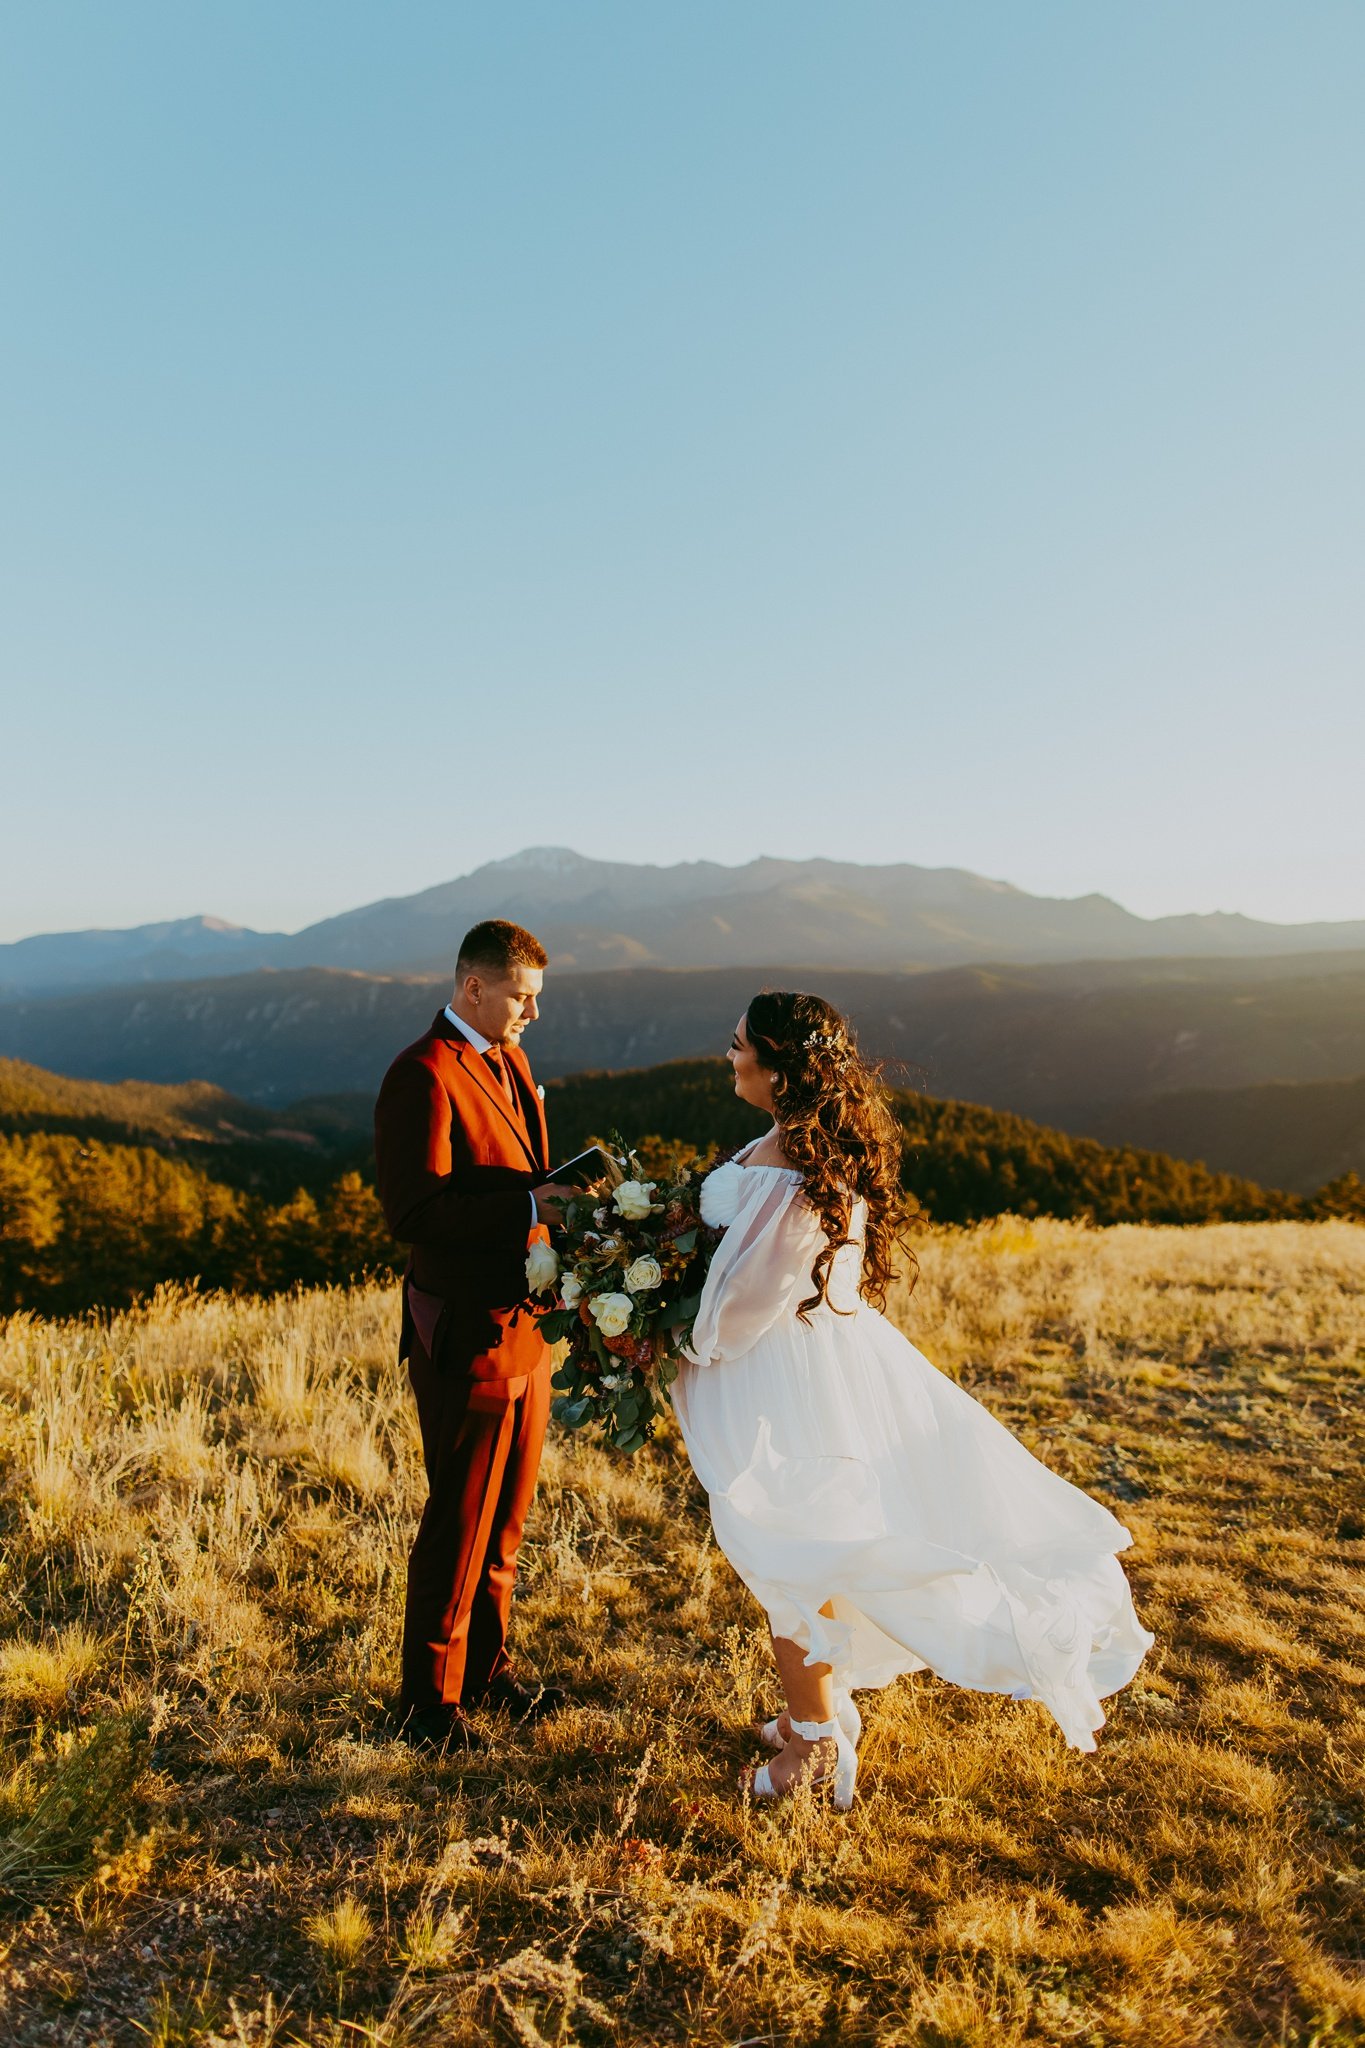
481	1445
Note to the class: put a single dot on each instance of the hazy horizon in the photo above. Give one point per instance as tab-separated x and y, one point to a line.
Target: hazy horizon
902	432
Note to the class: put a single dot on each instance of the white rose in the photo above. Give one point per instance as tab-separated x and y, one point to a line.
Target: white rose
643	1273
571	1290
542	1267
632	1199
611	1312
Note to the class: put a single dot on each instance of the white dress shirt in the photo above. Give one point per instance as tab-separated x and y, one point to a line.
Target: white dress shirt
482	1045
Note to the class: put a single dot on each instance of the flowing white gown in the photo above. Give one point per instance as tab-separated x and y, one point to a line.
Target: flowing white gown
845	1470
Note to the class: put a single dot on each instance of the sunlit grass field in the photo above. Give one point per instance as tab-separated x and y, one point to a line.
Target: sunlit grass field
208	1835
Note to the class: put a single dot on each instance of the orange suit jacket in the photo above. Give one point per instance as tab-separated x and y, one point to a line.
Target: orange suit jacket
455	1163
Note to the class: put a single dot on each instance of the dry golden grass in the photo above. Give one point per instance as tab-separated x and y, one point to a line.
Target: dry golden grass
208	1835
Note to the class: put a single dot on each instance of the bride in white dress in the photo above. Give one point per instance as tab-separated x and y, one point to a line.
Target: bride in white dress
885	1520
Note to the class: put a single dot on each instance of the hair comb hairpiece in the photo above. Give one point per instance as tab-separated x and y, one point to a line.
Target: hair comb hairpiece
826	1040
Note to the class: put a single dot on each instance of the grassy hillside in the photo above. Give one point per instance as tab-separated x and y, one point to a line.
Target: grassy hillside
208	1836
1297	1133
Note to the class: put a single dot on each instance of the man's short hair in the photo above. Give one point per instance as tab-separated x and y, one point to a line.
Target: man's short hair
496	946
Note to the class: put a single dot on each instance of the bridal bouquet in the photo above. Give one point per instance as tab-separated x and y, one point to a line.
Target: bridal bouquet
625	1276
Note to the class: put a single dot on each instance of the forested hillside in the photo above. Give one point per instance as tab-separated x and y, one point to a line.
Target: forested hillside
962	1162
107	1191
1295	1134
84	1223
270	1152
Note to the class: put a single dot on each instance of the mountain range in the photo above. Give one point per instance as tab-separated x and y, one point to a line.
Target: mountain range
595	916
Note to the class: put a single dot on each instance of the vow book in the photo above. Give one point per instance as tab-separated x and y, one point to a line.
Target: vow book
583	1168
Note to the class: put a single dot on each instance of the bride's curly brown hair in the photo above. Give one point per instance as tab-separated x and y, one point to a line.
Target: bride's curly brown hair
837	1130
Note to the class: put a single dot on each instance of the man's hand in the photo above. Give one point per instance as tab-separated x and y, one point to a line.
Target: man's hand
550	1201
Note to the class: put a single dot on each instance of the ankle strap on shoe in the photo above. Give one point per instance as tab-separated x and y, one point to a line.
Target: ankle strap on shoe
815	1731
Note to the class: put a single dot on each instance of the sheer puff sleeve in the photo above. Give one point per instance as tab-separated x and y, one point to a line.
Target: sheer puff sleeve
761	1265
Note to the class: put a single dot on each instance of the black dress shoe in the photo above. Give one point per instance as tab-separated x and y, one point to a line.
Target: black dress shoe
437	1728
523	1703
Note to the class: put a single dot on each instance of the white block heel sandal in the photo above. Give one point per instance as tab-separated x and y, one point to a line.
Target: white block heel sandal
841	1777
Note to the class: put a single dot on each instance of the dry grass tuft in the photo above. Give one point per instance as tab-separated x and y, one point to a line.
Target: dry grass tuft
342	1934
209	1835
47	1676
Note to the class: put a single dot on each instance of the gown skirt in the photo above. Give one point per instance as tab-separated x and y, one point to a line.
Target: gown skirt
844	1469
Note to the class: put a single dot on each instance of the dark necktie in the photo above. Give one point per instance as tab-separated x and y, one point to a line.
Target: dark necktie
493	1060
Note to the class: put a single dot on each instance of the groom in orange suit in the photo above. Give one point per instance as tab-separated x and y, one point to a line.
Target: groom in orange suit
462	1154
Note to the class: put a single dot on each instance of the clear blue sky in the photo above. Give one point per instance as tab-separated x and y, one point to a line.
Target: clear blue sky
903	432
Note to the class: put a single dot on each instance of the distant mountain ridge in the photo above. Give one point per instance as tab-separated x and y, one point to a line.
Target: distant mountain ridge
172	951
1062	1044
597	915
